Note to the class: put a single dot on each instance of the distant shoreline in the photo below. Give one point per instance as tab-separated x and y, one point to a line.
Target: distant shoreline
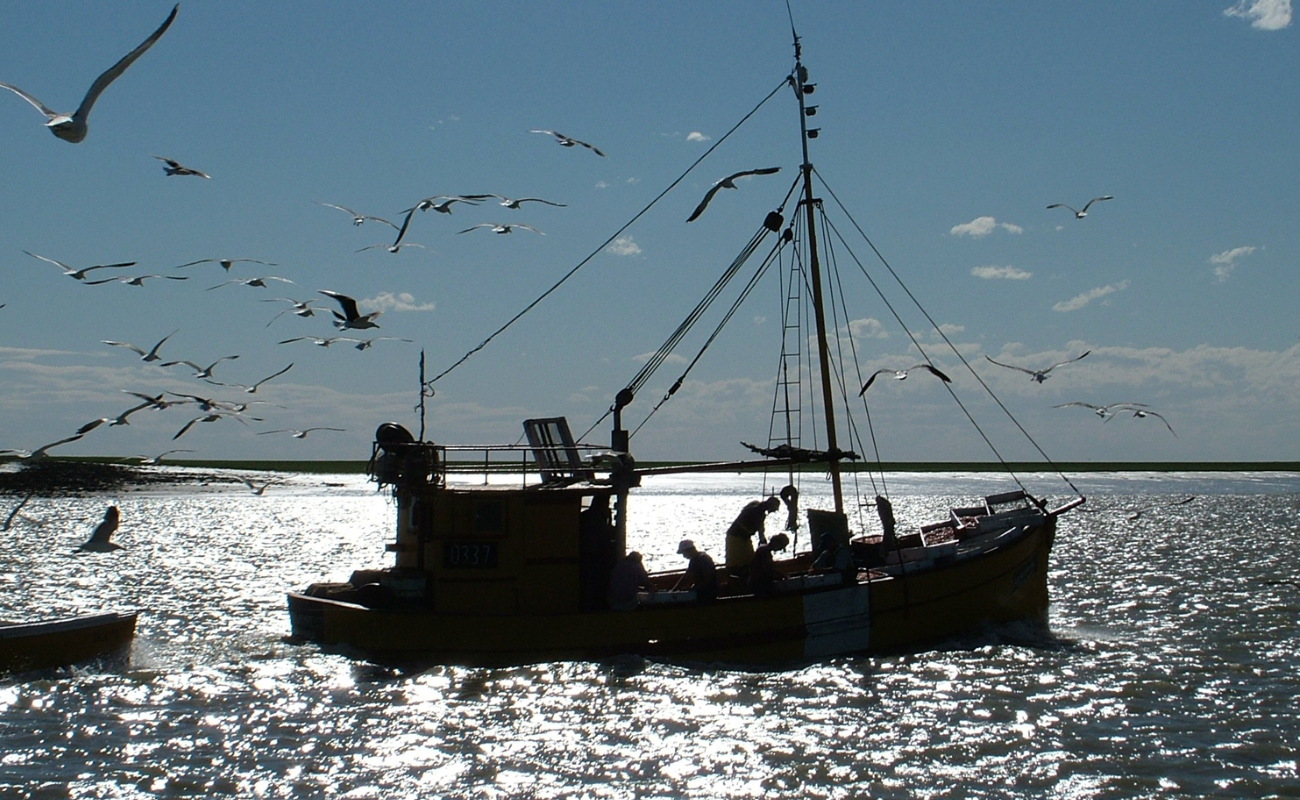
357	467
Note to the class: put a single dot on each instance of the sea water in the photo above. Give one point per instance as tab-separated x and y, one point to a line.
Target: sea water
1172	668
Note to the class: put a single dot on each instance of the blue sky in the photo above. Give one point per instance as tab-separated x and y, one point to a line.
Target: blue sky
947	128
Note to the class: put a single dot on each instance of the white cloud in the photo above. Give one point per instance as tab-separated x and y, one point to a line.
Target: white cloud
671	358
624	246
1007	273
868	328
1079	301
402	301
983	226
1226	261
1265	15
602	185
696	136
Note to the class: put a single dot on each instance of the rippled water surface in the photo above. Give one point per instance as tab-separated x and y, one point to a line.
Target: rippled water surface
1172	670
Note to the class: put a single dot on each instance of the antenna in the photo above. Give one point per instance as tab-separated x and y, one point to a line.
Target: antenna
426	390
793	33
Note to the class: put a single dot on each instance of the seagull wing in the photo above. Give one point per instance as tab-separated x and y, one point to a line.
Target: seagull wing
705	202
111	74
253	388
1066	361
1012	366
127	345
51	115
1096	200
873	377
1062	205
933	371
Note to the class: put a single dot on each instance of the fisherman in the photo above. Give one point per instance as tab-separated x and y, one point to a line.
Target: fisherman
627	578
762	570
700	574
740	536
836	558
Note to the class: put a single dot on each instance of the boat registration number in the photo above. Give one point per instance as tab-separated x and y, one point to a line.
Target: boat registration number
469	555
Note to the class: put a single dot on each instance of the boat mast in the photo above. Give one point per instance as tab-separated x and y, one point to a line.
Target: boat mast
801	88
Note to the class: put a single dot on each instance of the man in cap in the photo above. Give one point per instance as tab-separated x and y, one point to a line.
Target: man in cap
700	574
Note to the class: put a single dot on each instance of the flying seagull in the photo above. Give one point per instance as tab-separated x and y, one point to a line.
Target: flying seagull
366	344
302	434
901	374
351	318
154	460
79	274
138	280
259	489
226	263
199	371
498	227
514	203
1040	375
357	219
392	248
212	417
152	355
258	282
253	388
1081	213
301	308
1104	411
727	183
174	167
9	520
1142	413
567	141
99	540
72	128
443	207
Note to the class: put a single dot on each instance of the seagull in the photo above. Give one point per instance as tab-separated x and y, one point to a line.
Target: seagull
321	342
1040	375
120	419
443	207
498	227
302	434
392	248
1081	213
258	282
357	219
350	319
174	168
9	520
157	401
154	460
1104	411
253	388
301	308
79	274
99	540
73	128
259	489
366	344
1142	413
727	183
152	355
514	202
42	451
138	280
226	262
211	417
199	372
901	374
566	141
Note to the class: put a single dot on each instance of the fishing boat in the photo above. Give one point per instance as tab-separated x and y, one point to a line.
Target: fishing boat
65	641
503	554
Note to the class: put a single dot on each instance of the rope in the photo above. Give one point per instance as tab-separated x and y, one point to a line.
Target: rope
612	237
947	341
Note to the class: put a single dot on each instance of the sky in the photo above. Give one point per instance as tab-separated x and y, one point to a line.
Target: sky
946	129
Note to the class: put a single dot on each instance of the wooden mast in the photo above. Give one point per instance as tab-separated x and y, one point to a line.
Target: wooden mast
798	80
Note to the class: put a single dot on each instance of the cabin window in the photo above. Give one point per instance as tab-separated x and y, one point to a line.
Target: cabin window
488	517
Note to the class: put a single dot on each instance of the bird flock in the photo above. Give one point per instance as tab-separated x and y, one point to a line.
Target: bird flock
348	316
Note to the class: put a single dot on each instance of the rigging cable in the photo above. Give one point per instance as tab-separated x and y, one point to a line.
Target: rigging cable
951	346
612	237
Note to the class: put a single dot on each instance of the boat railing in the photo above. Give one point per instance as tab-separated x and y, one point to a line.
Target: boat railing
430	464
